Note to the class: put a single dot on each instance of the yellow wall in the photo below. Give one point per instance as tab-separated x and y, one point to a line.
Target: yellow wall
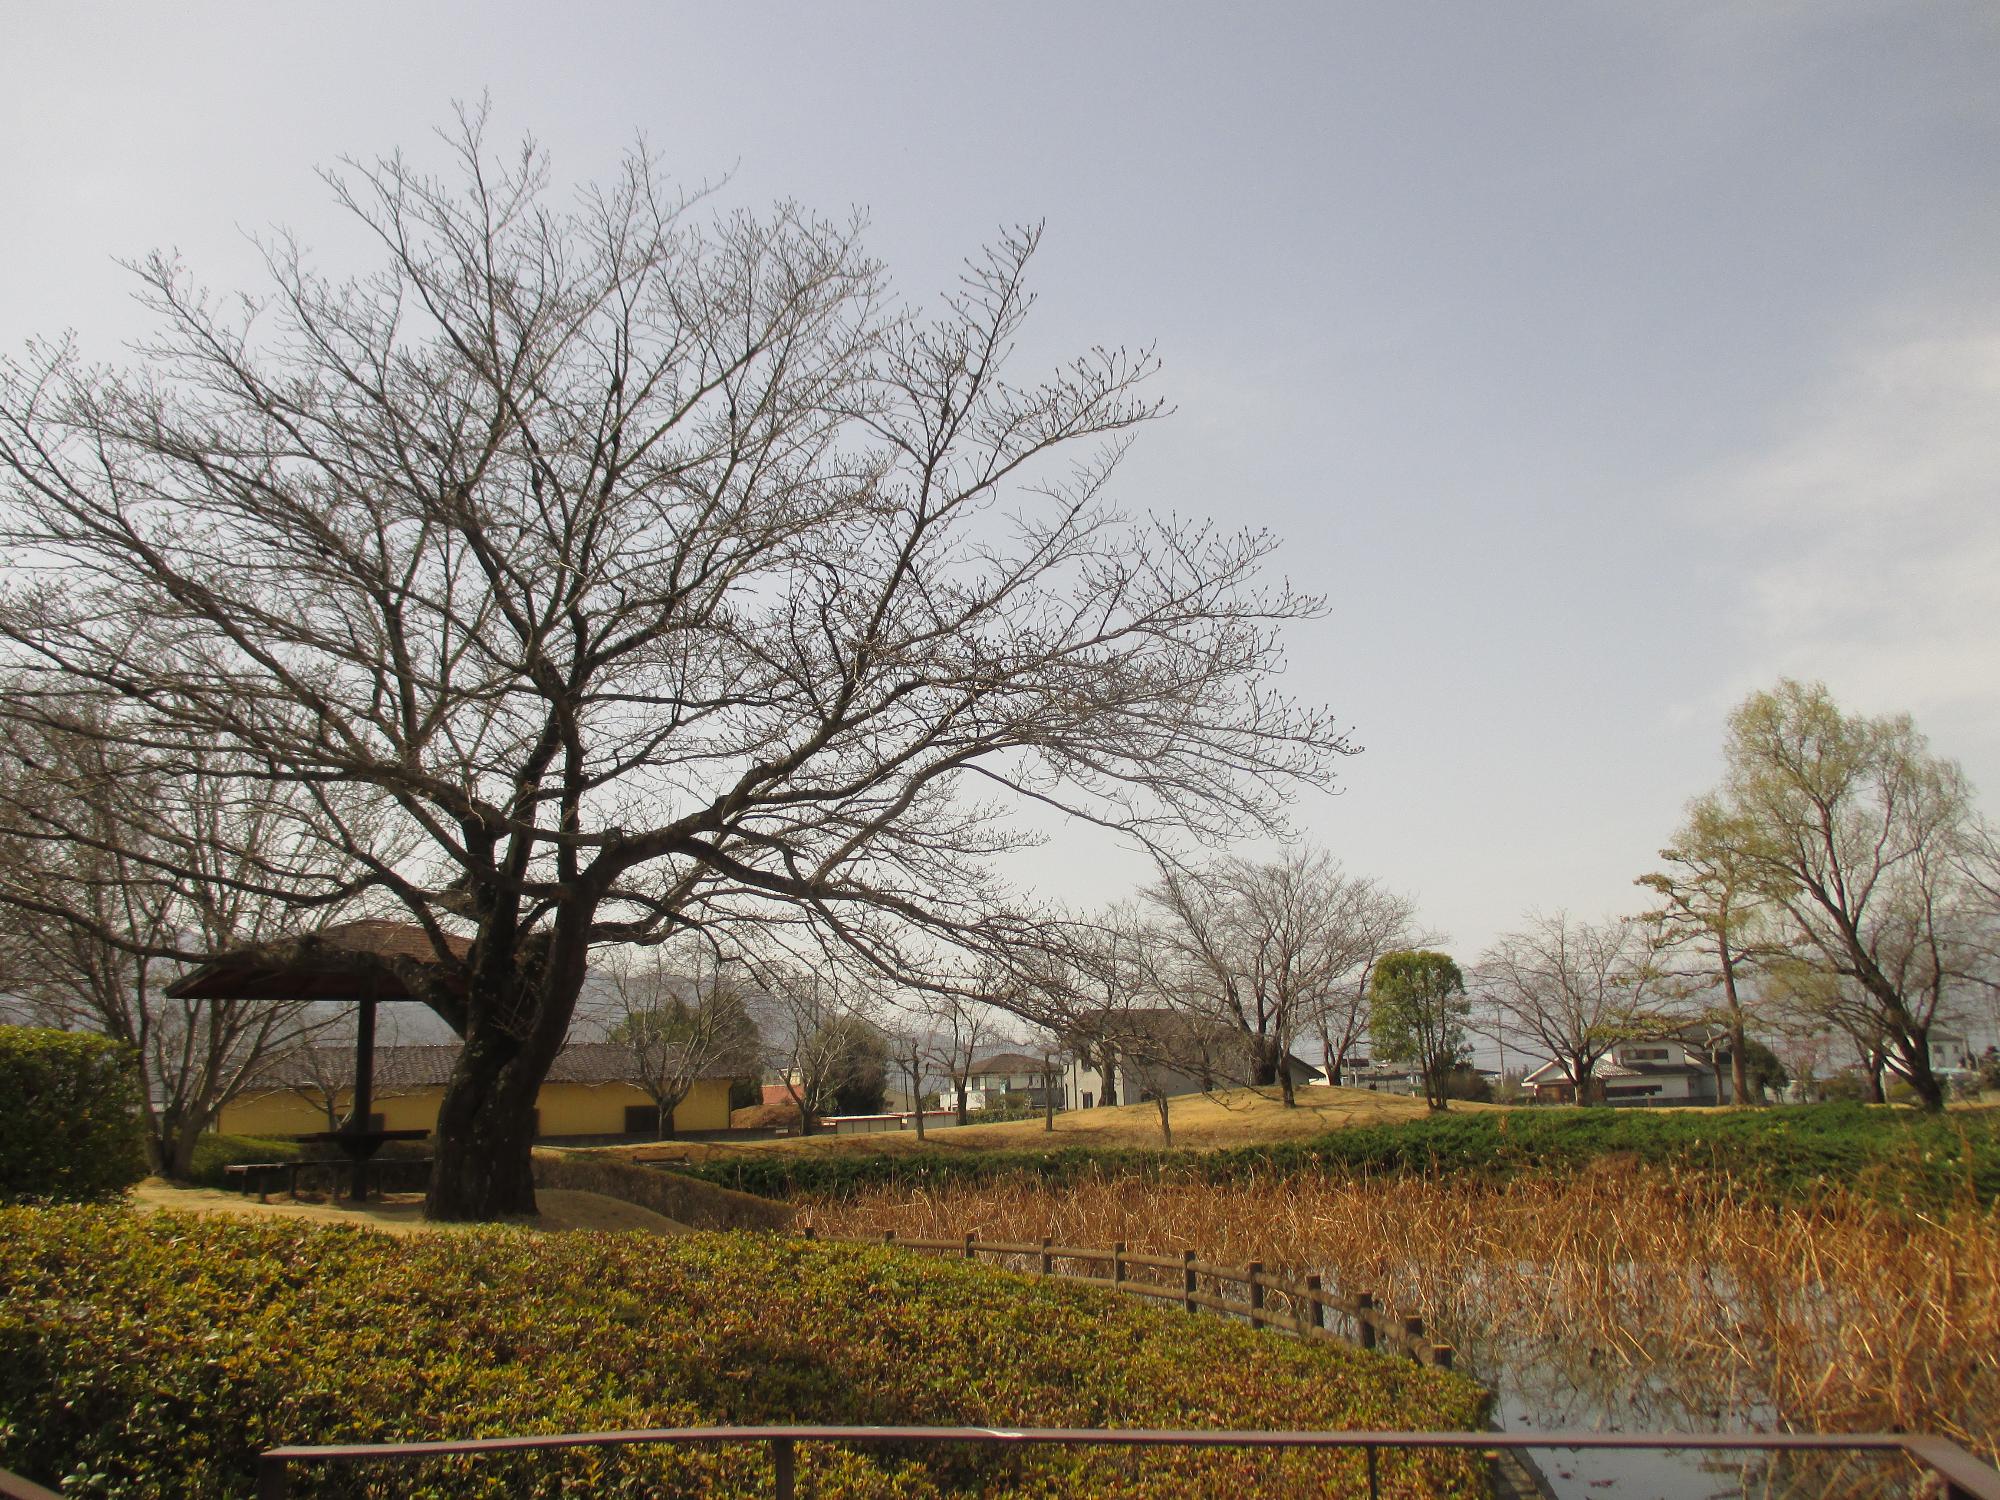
566	1109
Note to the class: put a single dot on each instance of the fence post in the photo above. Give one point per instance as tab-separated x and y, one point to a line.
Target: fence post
888	1236
1251	1273
1413	1337
807	1233
1118	1263
1187	1281
1364	1318
1374	1475
1048	1260
1442	1355
968	1246
273	1483
1318	1314
784	1479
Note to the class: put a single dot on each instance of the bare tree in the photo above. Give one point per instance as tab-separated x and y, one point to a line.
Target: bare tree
680	1021
959	1027
1572	990
819	1030
109	866
1276	950
608	569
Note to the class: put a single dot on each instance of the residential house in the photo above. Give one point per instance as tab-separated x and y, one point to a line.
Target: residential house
589	1092
992	1077
1657	1071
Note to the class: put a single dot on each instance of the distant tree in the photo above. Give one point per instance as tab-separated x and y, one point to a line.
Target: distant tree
111	863
959	1027
861	1067
1418	1013
1278	950
1857	835
1713	904
680	1022
1571	991
820	1041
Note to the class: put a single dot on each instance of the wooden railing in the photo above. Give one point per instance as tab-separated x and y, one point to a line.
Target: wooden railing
1304	1308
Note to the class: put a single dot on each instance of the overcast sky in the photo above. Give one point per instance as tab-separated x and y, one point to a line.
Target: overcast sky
1599	362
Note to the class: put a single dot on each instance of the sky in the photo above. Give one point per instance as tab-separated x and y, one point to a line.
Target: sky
1599	363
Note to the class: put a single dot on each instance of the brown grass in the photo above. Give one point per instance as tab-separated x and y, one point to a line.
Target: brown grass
1236	1117
1840	1315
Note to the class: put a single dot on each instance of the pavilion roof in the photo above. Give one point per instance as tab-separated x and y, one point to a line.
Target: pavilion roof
370	959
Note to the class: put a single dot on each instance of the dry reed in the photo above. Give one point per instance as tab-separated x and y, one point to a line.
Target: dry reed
1830	1316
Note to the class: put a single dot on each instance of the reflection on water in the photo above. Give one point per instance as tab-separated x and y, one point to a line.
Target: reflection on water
1562	1380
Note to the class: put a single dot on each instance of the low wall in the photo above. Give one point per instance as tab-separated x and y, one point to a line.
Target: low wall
699	1205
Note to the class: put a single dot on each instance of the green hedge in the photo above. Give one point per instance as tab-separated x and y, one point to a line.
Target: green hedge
152	1355
69	1117
1927	1162
214	1152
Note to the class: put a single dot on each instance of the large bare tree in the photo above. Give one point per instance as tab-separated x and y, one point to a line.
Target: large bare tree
602	566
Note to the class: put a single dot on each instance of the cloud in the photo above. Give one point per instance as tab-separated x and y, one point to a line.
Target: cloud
1866	537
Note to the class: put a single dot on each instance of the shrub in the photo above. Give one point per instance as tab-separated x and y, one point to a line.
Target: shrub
154	1355
69	1126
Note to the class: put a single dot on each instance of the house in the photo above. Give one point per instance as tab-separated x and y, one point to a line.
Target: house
1655	1071
990	1078
1950	1053
1141	1054
589	1092
1396	1078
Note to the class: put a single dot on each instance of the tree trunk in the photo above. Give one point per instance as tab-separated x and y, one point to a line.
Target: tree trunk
1873	1062
1264	1061
1166	1123
1916	1054
485	1128
959	1088
1739	1071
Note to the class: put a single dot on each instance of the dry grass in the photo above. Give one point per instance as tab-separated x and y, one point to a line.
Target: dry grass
1839	1315
1236	1117
402	1213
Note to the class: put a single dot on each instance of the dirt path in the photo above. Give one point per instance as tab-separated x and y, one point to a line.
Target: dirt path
402	1213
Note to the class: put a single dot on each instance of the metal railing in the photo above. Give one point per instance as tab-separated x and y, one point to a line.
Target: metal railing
1954	1474
1197	1284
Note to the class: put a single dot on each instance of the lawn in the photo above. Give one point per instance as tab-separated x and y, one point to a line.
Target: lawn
1234	1117
156	1354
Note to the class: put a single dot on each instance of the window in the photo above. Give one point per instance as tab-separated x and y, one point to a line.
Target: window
642	1119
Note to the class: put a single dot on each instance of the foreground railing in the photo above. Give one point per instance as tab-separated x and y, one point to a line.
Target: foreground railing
1953	1473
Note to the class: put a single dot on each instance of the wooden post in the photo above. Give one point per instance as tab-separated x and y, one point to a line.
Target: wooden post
1364	1318
1118	1263
273	1482
1048	1260
1442	1355
1251	1274
1187	1281
888	1236
783	1473
1317	1316
807	1233
968	1247
1413	1337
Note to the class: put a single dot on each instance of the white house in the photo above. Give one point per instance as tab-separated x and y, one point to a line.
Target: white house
1001	1073
1661	1071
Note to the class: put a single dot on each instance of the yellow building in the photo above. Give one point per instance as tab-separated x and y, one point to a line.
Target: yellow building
589	1092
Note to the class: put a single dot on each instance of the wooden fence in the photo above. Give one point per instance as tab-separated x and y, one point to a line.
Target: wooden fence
1304	1308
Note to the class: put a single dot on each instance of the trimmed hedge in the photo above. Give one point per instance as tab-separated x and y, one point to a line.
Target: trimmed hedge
153	1355
69	1117
1926	1162
212	1153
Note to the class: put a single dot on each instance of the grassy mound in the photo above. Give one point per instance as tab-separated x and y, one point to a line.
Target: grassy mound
1917	1161
157	1355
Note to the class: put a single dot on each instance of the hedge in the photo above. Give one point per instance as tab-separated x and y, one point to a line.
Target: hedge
69	1121
153	1355
1925	1162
